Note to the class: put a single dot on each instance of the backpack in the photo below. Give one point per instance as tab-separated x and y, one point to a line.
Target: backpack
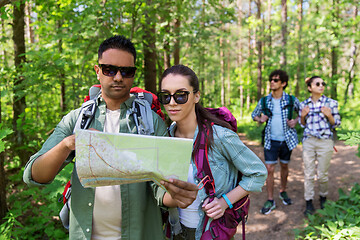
226	226
141	110
267	112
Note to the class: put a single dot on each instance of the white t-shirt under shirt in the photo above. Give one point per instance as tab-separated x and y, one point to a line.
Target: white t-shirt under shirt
277	130
189	216
107	204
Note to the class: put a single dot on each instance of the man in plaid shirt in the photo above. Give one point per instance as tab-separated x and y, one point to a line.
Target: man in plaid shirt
280	135
319	116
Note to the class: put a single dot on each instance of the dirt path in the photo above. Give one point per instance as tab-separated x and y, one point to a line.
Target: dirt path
279	224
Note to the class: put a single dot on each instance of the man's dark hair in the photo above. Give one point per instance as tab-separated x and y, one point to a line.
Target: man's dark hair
282	74
117	42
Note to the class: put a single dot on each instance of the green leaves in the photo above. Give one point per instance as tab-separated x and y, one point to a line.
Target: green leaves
3	133
338	220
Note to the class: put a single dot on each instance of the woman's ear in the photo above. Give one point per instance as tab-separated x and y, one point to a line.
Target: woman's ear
197	96
309	88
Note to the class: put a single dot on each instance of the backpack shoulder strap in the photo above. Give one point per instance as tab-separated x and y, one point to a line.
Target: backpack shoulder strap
202	164
263	103
87	113
142	114
291	106
264	107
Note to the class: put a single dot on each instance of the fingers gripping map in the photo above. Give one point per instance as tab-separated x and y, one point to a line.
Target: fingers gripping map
112	159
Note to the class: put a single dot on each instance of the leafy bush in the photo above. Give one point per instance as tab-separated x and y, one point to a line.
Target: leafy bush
338	220
34	211
351	138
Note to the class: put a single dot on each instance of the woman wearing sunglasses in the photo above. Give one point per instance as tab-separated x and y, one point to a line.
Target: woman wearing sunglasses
227	154
319	116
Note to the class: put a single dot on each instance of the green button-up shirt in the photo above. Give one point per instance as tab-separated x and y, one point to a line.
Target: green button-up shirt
141	217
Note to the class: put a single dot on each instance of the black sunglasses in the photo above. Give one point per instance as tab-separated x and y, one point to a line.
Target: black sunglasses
111	70
180	97
275	80
318	84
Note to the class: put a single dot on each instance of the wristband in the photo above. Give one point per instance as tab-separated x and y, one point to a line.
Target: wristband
227	201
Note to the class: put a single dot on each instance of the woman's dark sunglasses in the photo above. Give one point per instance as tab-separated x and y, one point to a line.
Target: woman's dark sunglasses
180	97
318	84
111	70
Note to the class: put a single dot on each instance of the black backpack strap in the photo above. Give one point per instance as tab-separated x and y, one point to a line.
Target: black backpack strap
87	112
291	106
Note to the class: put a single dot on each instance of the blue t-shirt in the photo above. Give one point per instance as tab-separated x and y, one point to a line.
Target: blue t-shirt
277	130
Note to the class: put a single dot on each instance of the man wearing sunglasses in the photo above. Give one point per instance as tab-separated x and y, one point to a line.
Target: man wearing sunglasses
131	211
319	115
280	135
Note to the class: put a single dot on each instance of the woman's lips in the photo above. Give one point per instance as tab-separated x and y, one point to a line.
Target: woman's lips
173	111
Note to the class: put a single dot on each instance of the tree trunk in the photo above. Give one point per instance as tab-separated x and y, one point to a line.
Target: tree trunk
201	74
149	39
259	52
61	71
353	57
19	103
3	205
222	71
299	50
177	42
249	79
335	53
239	59
283	33
4	55
228	101
29	29
270	28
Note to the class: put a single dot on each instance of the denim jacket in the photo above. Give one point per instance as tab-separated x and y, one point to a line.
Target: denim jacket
141	216
228	155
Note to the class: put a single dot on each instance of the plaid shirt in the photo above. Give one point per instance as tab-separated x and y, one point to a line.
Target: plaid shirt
291	138
317	125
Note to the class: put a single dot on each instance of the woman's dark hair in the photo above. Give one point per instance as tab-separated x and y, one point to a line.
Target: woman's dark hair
117	42
203	117
282	74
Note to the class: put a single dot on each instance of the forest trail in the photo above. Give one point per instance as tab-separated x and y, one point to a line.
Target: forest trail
279	224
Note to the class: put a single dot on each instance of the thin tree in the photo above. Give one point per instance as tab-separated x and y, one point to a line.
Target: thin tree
299	48
259	49
222	71
239	57
149	39
334	51
283	33
353	57
177	40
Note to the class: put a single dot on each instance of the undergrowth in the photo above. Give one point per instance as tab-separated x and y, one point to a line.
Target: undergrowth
338	220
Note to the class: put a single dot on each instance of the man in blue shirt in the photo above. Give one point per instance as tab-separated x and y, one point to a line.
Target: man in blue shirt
280	135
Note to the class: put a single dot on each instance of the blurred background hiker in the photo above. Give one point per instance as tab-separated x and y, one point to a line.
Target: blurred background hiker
280	136
319	116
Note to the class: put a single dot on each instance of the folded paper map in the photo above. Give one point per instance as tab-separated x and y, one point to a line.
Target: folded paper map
112	159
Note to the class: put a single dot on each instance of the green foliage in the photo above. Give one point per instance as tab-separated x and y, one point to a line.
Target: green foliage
34	211
3	133
338	220
351	138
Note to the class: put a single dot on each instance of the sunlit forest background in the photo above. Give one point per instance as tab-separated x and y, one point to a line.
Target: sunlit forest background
48	50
